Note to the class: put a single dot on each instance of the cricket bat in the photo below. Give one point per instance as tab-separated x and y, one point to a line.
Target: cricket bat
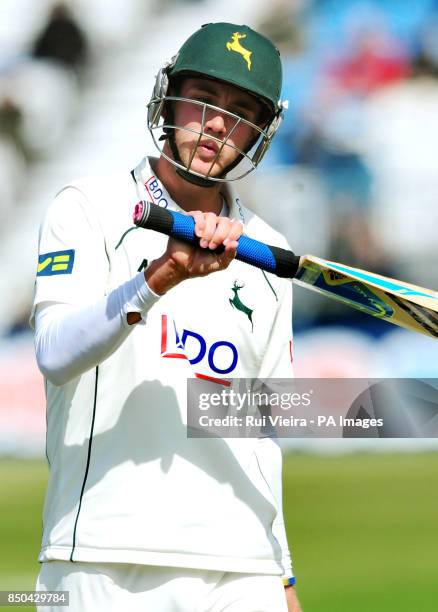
395	301
401	303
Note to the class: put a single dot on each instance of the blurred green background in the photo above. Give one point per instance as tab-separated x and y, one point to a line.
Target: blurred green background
362	528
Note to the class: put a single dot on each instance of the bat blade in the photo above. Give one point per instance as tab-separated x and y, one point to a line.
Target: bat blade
403	304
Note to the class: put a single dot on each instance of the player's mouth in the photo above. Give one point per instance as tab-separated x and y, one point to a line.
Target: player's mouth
209	148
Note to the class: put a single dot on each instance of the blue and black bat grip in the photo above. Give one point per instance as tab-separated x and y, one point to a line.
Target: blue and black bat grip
273	259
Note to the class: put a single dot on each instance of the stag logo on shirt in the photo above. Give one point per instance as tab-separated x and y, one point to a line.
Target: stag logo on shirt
237	303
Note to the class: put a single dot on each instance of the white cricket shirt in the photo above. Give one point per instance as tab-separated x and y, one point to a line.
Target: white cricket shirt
126	484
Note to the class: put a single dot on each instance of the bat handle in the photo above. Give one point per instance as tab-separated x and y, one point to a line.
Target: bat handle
273	259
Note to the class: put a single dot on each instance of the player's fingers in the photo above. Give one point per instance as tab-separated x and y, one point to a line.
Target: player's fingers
210	220
227	230
221	232
214	231
198	216
235	231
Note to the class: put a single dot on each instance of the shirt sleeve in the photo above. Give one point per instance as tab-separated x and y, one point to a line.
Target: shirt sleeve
78	322
69	340
72	262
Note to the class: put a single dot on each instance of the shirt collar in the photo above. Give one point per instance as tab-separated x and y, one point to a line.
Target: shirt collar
151	189
149	186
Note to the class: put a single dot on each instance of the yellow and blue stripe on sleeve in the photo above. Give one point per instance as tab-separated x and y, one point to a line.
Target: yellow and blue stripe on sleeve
58	262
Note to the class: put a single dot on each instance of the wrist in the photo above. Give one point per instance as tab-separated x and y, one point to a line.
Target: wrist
161	275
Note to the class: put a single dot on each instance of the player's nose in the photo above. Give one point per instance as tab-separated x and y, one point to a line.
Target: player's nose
216	123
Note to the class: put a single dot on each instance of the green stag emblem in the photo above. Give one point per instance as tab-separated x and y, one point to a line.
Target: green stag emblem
237	303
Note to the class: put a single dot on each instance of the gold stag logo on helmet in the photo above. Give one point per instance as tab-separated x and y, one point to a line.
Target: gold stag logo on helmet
235	45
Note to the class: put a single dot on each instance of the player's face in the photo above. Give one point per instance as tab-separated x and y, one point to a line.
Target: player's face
205	154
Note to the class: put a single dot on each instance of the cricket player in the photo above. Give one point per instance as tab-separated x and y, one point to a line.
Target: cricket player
139	516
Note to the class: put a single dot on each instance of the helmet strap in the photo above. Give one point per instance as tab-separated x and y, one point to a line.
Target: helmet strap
199	181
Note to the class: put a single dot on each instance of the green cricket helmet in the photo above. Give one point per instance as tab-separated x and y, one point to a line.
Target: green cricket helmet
234	54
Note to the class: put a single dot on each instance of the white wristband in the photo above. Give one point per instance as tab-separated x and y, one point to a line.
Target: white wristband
138	297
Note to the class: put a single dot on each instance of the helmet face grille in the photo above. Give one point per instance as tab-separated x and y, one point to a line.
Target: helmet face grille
162	124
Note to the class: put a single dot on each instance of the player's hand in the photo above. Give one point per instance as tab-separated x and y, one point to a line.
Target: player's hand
213	232
293	605
182	261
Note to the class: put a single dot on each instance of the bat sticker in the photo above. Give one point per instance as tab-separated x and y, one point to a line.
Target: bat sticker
354	293
383	283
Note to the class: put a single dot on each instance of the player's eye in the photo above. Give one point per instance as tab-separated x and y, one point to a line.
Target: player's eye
204	99
244	113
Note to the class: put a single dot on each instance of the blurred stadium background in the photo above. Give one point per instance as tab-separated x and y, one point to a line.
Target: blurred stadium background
351	176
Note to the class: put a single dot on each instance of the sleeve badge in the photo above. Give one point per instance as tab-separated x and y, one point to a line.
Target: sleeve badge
58	262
